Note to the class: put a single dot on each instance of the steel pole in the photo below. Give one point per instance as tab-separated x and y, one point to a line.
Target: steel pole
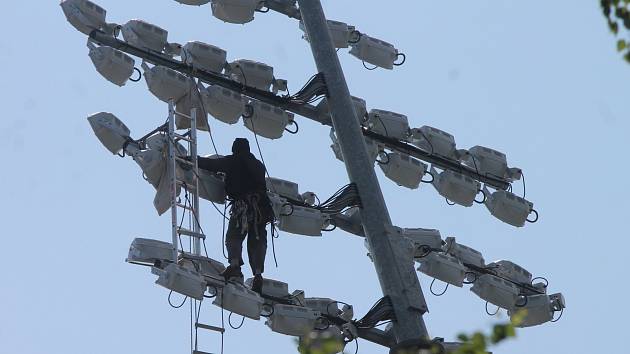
392	260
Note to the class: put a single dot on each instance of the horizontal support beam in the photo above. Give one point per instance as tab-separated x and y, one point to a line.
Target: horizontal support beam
304	110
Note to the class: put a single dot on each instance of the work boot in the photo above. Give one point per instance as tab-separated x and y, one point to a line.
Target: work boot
257	283
232	272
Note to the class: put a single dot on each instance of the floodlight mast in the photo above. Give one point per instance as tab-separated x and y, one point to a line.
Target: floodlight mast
388	255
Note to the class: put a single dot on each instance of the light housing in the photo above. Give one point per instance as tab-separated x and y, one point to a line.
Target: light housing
223	104
149	252
508	207
443	267
302	221
286	189
193	2
109	130
404	169
145	35
456	187
255	74
84	15
539	309
203	265
465	254
273	288
390	124
375	51
435	141
340	32
323	305
204	56
360	108
114	65
497	291
292	320
181	280
153	165
491	162
373	149
166	83
512	271
422	238
235	11
239	299
267	120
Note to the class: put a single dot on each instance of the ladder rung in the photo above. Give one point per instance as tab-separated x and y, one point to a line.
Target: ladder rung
210	328
184	206
199	352
190	233
181	137
184	161
183	115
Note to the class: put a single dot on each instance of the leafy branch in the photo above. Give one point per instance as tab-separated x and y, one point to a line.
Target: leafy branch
617	14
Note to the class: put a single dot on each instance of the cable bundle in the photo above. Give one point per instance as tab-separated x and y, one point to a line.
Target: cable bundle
313	90
381	311
345	198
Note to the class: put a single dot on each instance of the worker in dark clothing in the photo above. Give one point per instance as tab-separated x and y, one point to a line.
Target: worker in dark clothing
250	210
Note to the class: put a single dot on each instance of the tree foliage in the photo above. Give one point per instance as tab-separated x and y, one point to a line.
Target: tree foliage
617	13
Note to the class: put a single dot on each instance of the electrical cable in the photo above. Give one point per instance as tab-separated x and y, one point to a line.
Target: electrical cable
523	177
488	311
434	293
230	321
139	75
559	317
365	66
175	306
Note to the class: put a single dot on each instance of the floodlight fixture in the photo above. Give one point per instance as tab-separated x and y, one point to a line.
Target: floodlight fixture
204	56
223	104
181	280
110	131
497	291
272	288
165	83
424	240
84	15
144	251
376	52
512	271
341	33
509	208
456	187
360	108
436	142
373	149
491	162
235	11
292	320
310	198
323	305
203	265
286	189
443	267
145	35
404	169
539	309
114	65
193	2
302	221
256	74
153	165
237	298
465	254
266	120
390	124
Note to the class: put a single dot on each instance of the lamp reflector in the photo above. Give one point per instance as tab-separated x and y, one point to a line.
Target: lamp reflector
508	207
455	186
273	288
302	221
375	51
239	299
182	280
252	73
538	309
266	120
235	11
389	124
109	130
292	320
166	83
443	267
340	32
286	189
465	254
84	15
149	252
497	291
223	104
114	65
422	238
434	141
404	170
204	56
145	35
512	271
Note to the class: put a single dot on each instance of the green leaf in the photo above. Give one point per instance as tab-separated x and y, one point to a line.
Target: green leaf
621	45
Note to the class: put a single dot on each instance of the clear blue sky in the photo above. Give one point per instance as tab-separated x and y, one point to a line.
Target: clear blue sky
539	80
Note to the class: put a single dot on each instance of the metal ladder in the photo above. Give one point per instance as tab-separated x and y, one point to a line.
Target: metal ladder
194	232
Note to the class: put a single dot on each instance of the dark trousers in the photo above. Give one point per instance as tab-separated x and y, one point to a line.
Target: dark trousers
256	244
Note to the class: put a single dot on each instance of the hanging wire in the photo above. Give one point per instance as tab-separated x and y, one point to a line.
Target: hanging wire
176	306
230	321
488	311
438	294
